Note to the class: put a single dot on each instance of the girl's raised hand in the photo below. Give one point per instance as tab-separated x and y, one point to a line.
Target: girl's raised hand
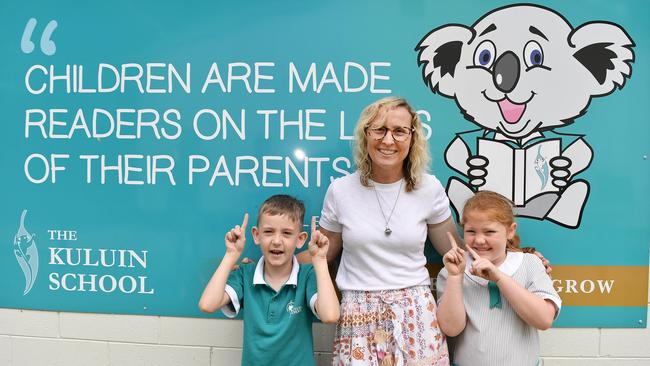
236	238
482	267
454	259
319	243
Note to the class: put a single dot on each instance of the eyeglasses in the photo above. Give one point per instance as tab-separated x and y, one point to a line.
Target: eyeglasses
400	134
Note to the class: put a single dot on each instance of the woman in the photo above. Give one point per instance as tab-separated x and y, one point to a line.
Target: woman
377	219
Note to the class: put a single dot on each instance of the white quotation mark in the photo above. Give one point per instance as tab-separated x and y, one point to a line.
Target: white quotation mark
47	45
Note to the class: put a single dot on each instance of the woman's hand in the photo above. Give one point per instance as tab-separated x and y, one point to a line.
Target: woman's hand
545	262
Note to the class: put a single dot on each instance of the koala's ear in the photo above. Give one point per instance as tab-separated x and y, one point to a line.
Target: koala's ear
440	52
605	49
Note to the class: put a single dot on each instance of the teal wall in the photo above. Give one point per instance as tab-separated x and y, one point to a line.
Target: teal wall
181	225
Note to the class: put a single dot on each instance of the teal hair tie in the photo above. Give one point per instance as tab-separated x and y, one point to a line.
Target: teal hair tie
495	295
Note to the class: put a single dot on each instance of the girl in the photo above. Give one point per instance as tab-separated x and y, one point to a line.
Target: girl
495	299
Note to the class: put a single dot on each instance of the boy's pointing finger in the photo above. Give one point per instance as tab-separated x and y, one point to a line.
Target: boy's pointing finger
244	223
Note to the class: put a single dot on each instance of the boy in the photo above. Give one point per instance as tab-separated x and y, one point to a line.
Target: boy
279	298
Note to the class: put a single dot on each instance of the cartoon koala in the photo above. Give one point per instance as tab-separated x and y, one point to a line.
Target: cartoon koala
518	73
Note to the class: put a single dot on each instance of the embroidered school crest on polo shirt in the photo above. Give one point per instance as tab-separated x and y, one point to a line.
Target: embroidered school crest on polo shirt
292	309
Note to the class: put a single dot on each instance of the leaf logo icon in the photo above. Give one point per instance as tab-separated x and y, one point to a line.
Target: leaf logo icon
541	167
26	253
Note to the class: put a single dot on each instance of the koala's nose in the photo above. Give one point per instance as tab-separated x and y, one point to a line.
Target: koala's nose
506	72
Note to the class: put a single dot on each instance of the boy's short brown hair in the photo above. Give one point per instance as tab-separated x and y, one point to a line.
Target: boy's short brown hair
283	204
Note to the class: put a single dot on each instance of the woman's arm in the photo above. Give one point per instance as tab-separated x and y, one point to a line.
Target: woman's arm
438	235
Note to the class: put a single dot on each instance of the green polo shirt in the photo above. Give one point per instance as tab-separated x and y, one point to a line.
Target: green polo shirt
277	325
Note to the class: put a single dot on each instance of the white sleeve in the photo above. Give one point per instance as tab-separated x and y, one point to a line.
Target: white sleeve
329	217
441	281
439	202
542	286
312	304
231	310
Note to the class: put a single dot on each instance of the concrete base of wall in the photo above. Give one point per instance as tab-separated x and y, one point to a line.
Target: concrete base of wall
44	338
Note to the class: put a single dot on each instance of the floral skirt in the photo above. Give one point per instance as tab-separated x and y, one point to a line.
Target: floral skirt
389	327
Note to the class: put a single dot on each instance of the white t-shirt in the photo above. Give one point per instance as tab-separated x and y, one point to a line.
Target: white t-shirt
372	260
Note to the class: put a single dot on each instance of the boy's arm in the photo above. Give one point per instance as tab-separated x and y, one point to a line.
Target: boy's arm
327	304
214	296
335	247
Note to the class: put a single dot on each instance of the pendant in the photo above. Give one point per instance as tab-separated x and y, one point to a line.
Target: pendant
387	231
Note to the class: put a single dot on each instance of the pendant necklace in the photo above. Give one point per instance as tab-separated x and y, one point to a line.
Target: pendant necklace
387	230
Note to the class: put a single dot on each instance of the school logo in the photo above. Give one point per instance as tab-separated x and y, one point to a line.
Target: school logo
26	253
292	309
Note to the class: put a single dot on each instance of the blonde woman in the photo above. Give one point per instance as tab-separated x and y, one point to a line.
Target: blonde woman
377	219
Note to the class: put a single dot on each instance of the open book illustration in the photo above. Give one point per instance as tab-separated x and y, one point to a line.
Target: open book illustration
518	173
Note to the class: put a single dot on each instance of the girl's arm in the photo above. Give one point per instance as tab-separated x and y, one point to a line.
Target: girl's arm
534	310
451	310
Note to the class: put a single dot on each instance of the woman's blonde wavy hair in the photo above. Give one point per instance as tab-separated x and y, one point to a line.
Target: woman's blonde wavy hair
418	159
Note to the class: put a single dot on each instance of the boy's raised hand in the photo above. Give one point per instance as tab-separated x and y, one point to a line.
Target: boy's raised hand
319	243
454	259
236	238
482	267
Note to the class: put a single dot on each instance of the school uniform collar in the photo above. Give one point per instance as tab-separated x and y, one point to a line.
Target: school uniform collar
509	266
258	278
